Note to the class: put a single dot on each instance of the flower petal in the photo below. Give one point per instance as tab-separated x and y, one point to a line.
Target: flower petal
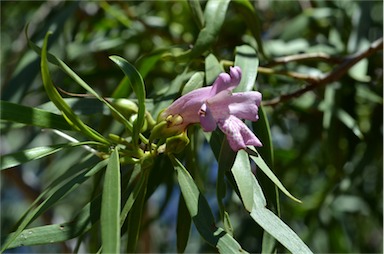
226	81
206	118
235	73
188	105
245	105
238	134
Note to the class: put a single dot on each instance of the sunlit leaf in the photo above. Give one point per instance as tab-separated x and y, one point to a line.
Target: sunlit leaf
247	60
351	123
212	69
264	167
255	203
195	82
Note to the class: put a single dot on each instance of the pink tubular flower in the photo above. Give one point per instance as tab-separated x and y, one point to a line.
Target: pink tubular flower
216	105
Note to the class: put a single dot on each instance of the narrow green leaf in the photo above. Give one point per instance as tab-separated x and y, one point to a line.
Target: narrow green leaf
110	206
138	87
21	157
271	192
225	162
201	213
123	89
351	123
138	188
32	116
212	69
93	106
255	203
256	157
268	243
195	82
278	229
261	127
183	226
197	12
252	19
135	215
54	193
174	88
214	15
118	13
74	174
58	232
54	60
20	83
55	97
227	223
245	180
274	225
246	58
147	62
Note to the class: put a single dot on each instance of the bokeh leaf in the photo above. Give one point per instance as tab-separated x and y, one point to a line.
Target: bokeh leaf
214	15
253	21
21	157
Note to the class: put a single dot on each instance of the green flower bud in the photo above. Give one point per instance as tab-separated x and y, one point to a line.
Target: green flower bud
125	107
176	144
168	127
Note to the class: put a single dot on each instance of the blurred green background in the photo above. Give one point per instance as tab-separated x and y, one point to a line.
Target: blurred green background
328	143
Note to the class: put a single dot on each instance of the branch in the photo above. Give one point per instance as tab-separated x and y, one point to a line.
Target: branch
330	77
296	75
316	56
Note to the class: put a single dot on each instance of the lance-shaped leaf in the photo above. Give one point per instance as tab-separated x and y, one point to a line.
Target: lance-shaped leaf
250	16
214	15
110	206
55	192
247	60
255	203
21	157
55	97
54	233
54	60
201	213
32	116
264	167
138	87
